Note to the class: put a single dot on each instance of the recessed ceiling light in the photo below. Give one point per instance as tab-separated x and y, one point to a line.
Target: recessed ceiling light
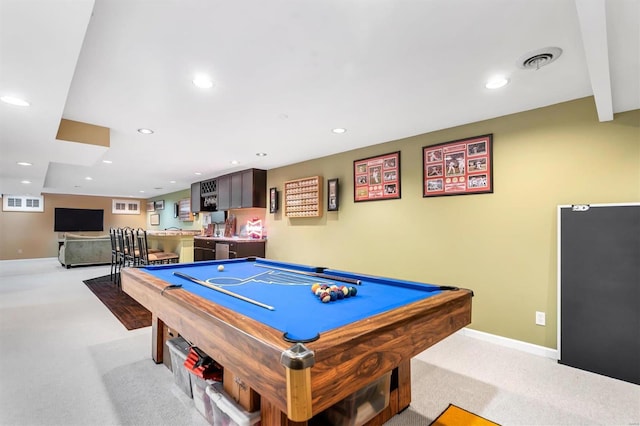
172	181
25	181
24	163
88	178
497	82
339	130
107	161
145	131
261	154
197	173
141	191
202	82
12	100
234	162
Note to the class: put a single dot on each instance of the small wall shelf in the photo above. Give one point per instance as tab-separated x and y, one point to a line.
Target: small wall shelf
303	197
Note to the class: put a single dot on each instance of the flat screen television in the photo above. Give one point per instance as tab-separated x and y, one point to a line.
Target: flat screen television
74	220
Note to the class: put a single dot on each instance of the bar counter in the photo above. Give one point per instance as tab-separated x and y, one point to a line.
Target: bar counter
174	241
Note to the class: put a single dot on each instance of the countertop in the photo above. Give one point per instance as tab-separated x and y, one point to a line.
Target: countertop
170	232
231	239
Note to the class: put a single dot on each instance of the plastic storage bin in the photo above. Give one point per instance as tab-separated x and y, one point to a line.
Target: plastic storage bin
227	412
179	349
361	406
200	399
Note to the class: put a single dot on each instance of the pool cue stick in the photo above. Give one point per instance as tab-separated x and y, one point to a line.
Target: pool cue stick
443	288
222	290
315	274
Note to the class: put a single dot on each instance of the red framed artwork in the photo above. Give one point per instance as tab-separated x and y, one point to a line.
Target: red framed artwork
458	167
377	178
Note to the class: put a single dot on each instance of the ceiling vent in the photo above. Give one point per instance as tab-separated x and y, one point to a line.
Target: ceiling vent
539	58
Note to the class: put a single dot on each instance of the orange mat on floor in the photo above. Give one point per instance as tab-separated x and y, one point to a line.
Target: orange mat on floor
456	416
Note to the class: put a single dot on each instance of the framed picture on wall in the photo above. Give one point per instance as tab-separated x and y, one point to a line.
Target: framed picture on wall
154	219
151	206
273	200
159	205
459	167
377	178
332	195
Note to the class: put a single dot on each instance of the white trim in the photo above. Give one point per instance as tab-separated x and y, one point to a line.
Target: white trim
511	343
28	259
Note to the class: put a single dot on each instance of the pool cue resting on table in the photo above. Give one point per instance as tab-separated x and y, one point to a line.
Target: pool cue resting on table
314	274
222	290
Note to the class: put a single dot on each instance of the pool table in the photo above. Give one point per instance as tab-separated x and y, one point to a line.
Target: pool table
299	354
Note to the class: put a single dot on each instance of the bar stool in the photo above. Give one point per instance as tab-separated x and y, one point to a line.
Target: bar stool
114	254
147	258
121	257
132	253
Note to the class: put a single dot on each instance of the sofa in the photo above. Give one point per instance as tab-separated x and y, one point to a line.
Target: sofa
84	250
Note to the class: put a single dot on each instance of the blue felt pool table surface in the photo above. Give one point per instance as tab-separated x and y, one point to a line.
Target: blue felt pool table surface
297	311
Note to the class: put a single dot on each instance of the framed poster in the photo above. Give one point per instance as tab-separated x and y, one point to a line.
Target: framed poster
377	178
273	200
458	167
159	205
332	195
151	206
154	219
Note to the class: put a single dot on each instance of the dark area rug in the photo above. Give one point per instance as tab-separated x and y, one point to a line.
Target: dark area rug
130	313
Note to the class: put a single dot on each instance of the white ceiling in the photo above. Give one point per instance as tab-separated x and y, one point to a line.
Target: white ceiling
285	73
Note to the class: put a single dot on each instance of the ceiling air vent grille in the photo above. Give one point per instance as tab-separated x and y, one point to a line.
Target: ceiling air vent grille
22	203
539	58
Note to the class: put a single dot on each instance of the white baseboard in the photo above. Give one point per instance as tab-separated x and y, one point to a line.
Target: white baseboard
28	260
511	343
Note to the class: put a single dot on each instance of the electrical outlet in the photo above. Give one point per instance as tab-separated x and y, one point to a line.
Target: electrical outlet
540	318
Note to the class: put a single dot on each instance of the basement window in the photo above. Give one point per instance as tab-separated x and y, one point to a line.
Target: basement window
22	203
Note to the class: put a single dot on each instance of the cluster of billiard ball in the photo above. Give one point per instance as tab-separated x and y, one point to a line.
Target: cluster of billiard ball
329	293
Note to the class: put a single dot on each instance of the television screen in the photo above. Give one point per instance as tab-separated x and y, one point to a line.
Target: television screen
74	220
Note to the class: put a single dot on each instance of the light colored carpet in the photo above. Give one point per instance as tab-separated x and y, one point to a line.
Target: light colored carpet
66	360
510	387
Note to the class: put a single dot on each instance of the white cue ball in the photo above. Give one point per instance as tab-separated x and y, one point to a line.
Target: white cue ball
220	268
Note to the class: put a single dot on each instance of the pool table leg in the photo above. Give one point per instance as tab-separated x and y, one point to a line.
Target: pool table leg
404	385
399	401
157	338
272	416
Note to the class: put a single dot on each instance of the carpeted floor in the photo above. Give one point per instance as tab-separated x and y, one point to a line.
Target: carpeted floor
99	373
130	313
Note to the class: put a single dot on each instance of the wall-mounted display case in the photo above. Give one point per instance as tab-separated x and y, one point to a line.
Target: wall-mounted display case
303	197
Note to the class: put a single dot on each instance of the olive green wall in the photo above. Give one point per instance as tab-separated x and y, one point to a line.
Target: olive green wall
501	245
167	219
